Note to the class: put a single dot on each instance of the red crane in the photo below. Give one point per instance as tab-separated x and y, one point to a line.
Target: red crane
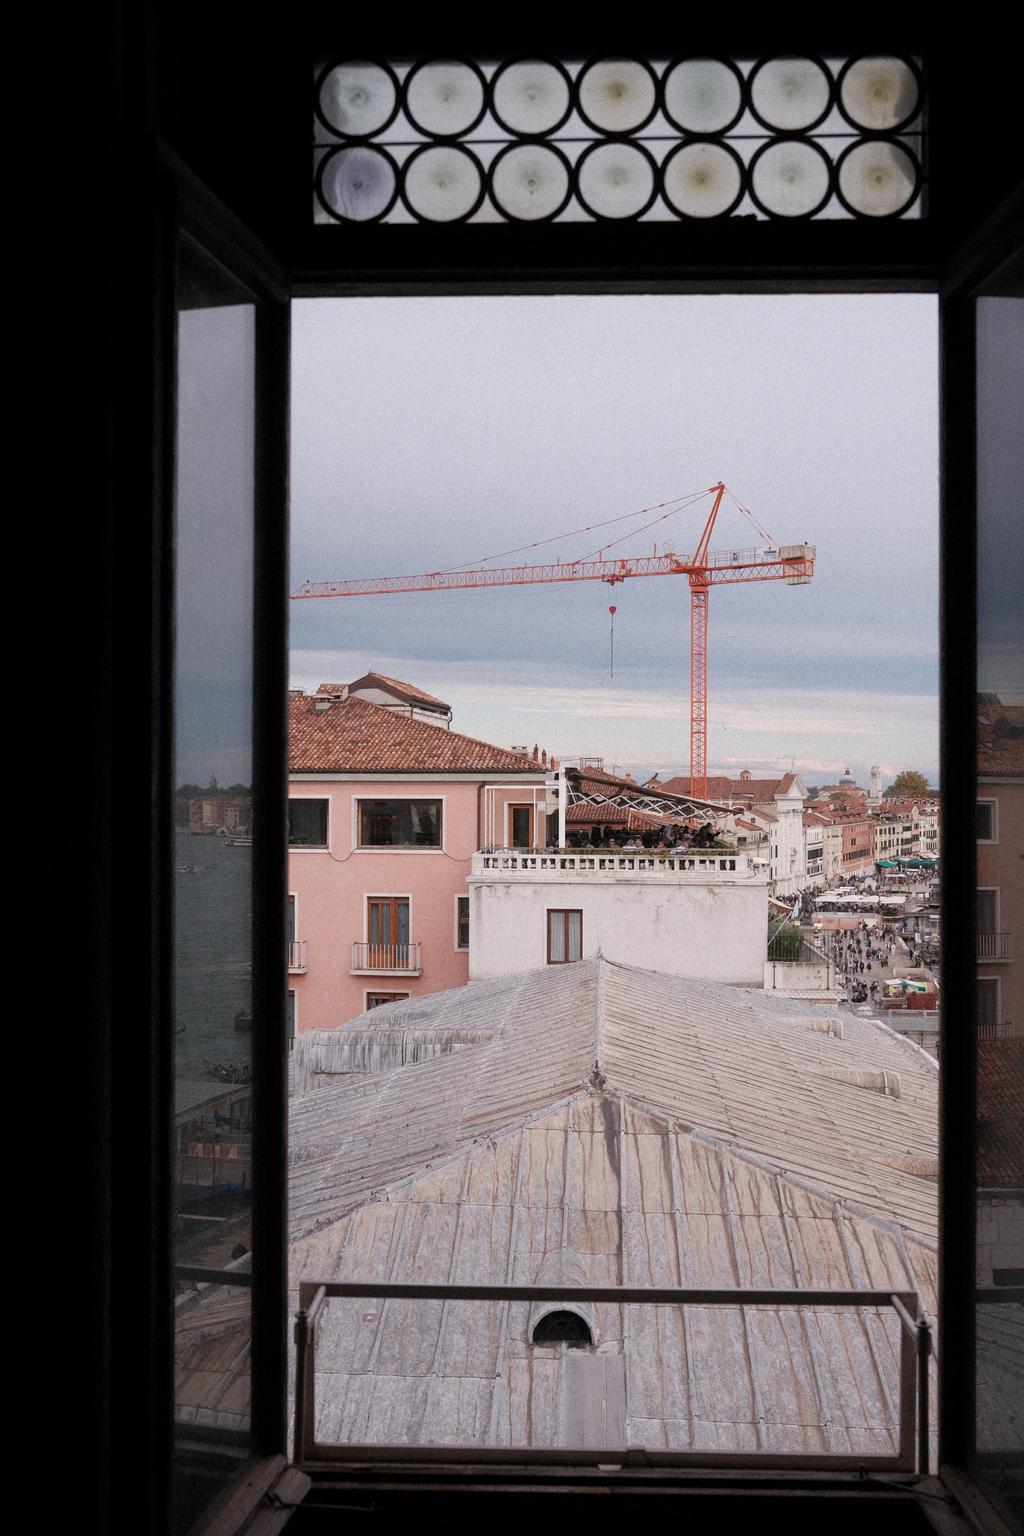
791	563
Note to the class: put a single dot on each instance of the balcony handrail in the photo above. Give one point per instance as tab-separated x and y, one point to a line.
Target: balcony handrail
995	946
386	957
917	1346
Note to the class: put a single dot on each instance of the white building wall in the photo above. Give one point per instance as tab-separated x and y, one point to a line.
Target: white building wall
707	931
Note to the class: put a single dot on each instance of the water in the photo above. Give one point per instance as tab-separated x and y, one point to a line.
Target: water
213	953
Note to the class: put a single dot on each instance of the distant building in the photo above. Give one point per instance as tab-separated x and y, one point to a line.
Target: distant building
783	800
1000	834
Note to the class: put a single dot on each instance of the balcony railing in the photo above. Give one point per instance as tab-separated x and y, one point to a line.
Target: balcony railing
386	959
911	1396
699	866
297	957
995	946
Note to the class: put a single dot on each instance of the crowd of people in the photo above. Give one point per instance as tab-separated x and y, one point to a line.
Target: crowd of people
666	840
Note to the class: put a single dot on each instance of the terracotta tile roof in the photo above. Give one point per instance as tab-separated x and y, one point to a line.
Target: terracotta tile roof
1000	1114
354	736
391	684
758	791
1001	738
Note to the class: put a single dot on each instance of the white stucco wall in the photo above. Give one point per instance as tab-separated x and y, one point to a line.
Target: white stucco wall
705	930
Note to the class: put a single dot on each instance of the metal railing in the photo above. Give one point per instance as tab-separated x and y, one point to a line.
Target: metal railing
385	957
916	1347
297	956
995	946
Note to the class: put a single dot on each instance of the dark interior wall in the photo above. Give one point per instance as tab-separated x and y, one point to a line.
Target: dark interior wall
225	88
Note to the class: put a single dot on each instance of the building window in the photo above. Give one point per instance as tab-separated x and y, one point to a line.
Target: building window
399	823
290	1014
988	911
565	937
563	1328
520	821
988	1006
307	823
986	823
462	922
378	999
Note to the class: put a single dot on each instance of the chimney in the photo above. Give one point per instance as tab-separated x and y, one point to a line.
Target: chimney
535	751
555	765
544	758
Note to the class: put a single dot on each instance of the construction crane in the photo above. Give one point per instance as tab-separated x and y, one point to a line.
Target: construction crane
791	563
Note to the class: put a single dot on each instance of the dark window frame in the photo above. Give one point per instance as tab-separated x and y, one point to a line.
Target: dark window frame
308	800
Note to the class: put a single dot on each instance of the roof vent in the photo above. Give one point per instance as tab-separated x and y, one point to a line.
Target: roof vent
322	705
887	1083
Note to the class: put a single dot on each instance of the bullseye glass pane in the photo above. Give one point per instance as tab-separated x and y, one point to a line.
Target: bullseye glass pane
790	93
877	178
530	182
531	97
357	99
616	181
617	94
444	98
790	179
702	95
358	183
879	94
442	184
702	180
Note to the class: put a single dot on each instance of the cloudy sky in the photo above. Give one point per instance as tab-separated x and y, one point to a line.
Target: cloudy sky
427	433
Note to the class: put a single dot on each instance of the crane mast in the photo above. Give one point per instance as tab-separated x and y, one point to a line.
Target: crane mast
791	563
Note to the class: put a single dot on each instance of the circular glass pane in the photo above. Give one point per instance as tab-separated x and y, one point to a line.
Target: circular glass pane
790	93
357	99
357	183
531	97
442	184
702	95
530	182
616	181
790	178
877	179
879	93
617	94
702	180
444	97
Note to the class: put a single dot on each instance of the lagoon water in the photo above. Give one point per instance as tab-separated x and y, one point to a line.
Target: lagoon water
213	953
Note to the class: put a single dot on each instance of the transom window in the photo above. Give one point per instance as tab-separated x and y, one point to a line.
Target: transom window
438	140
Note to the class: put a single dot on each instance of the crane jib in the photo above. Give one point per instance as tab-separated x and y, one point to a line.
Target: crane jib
793	564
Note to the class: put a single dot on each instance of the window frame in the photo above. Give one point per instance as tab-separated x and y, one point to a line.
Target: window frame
993	808
313	847
399	848
566	913
460	948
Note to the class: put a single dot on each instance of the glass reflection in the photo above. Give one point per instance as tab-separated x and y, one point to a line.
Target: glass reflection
1000	831
212	1148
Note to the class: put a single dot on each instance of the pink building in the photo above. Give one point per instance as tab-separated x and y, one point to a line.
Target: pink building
386	809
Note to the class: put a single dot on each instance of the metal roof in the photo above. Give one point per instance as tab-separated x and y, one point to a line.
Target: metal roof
618	1127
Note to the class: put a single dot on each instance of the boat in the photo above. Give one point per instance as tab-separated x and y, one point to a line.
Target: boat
184	868
243	1020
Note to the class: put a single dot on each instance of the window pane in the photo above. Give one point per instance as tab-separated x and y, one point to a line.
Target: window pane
307	823
556	937
214	476
400	823
983	820
1000	998
574	935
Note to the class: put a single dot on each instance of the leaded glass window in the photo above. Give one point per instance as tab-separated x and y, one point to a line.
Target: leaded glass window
522	140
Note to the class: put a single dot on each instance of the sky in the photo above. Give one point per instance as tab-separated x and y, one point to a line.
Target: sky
429	432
